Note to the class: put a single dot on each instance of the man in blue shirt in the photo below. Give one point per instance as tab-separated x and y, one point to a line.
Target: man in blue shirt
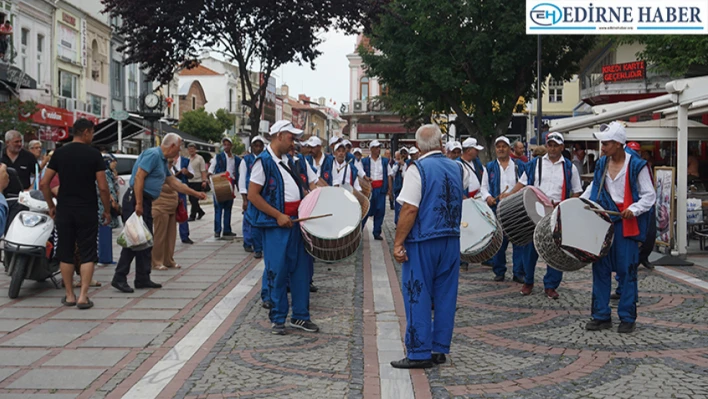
149	174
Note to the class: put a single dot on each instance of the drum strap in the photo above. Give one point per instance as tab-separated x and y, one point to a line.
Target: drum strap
344	175
297	180
540	171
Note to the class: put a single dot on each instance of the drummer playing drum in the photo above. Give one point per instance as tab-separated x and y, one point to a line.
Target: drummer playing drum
559	180
621	183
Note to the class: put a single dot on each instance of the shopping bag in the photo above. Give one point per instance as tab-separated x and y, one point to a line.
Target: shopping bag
135	234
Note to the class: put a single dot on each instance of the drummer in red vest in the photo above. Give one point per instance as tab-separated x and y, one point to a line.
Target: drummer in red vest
376	168
559	179
501	177
622	183
274	195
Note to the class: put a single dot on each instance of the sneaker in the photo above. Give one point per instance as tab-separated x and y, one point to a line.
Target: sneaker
438	358
187	241
597	325
518	279
551	293
268	305
217	235
277	329
201	215
229	235
615	296
499	278
626	327
258	255
248	249
305	325
526	289
313	288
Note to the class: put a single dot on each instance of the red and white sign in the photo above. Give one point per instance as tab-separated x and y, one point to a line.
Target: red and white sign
55	122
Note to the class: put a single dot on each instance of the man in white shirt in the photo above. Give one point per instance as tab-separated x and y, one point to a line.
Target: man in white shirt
455	150
252	236
470	160
376	169
275	195
226	162
414	154
622	183
342	171
553	174
427	245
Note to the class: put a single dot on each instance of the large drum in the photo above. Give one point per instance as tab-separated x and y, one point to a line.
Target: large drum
480	234
519	213
336	237
365	187
221	187
571	236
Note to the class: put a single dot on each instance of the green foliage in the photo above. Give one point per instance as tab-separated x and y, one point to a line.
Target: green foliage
202	124
226	120
10	115
676	55
472	56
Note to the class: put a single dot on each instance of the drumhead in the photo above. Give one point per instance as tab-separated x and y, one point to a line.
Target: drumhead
345	210
535	208
582	229
481	225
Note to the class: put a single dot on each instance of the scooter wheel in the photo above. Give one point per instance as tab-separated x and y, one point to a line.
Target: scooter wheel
19	271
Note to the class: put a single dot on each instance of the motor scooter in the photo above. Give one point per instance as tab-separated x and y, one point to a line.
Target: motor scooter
29	244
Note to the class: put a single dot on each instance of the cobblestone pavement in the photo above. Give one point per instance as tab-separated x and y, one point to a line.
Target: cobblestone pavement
505	345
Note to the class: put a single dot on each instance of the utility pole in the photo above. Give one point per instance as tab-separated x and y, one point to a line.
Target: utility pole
539	93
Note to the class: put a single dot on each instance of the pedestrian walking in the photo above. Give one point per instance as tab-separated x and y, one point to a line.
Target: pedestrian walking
427	244
198	182
81	168
150	172
181	170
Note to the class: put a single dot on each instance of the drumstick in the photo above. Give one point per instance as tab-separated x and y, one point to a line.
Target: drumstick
497	197
311	218
611	213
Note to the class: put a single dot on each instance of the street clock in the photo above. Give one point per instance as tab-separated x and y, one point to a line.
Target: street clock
151	101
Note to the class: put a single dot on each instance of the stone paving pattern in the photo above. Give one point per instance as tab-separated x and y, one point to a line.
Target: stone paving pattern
505	345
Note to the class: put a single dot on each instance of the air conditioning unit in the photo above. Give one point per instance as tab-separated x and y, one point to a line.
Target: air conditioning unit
359	106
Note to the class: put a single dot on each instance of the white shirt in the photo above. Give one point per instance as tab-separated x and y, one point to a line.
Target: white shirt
394	169
230	165
552	179
317	164
377	169
338	174
292	192
615	187
507	179
359	168
473	184
412	190
242	171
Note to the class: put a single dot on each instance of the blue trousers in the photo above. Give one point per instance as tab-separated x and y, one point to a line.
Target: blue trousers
222	209
624	260
499	260
286	261
184	227
252	237
105	245
377	210
553	277
430	276
397	210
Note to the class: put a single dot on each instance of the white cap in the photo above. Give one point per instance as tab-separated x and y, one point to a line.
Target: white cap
374	143
338	146
613	132
258	138
448	146
413	150
346	142
227	138
314	141
456	145
357	150
404	149
504	139
285	126
472	143
333	140
557	137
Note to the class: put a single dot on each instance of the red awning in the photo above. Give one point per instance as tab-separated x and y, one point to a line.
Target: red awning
388	128
55	122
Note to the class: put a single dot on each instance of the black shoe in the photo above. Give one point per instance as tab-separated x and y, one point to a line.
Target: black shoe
499	278
597	325
187	241
201	215
147	285
258	255
191	219
487	263
305	325
648	265
267	305
217	235
313	288
122	287
439	358
378	238
626	327
277	329
229	235
615	296
407	363
248	249
517	279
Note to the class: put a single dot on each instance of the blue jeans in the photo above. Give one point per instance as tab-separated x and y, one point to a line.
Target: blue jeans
222	209
397	210
105	245
252	237
499	260
377	210
183	227
553	277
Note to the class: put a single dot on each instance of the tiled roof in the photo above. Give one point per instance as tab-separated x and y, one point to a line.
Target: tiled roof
199	71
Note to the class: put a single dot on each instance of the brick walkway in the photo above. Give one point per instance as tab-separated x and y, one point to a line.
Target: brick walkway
205	335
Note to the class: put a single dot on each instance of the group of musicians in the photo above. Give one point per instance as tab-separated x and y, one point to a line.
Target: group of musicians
429	189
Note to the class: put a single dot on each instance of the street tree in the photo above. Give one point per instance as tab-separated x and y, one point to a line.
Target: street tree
677	55
165	35
472	56
11	115
202	124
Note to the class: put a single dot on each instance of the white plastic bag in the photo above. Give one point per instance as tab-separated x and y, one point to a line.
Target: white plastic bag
135	234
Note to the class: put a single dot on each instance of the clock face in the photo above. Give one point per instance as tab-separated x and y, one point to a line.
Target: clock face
151	100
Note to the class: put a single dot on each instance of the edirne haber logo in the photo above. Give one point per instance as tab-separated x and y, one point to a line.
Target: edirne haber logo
626	17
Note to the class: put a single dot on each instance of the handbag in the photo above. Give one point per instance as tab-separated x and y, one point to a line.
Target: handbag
181	214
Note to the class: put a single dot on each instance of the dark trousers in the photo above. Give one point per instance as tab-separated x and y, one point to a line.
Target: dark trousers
184	227
143	259
196	209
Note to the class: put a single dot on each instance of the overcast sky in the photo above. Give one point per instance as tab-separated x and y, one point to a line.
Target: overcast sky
330	79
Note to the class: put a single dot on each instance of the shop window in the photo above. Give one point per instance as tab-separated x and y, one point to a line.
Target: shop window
364	89
116	81
40	57
24	45
555	91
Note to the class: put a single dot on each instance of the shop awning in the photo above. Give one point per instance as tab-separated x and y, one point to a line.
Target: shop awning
14	77
653	130
107	132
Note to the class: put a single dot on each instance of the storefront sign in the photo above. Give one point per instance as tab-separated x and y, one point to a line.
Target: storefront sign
14	76
84	39
68	19
621	72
